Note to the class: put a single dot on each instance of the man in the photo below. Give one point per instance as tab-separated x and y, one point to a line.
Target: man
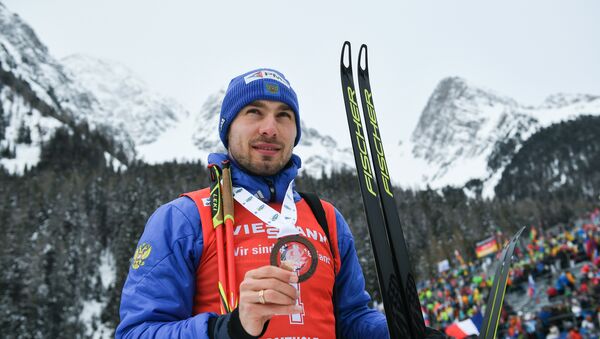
171	289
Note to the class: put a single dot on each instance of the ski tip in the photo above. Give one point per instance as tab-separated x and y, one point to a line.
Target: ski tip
346	51
363	66
518	234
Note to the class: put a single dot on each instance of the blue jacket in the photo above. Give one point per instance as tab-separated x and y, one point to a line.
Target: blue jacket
158	294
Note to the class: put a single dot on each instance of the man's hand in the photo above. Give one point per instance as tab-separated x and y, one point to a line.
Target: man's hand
265	292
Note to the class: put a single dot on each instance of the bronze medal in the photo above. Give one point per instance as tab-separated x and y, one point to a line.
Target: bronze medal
297	254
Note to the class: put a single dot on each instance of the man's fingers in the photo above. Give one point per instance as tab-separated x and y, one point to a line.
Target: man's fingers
275	297
255	285
272	272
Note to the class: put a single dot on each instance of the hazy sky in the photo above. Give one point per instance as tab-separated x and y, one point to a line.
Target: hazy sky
190	49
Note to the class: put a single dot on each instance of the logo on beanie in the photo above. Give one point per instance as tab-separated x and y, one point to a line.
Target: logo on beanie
272	88
221	124
265	74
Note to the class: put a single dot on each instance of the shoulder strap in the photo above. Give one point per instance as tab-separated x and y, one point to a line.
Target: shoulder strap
316	207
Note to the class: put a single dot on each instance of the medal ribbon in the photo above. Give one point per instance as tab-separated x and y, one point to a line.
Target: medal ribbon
284	221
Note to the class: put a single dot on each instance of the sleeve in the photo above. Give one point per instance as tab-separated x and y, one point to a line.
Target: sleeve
157	296
355	318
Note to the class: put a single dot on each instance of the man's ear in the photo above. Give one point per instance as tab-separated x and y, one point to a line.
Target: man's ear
227	138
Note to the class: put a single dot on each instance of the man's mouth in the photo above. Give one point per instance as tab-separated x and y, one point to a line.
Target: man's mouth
266	148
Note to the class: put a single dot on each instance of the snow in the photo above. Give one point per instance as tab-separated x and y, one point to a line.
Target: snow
414	172
47	248
40	127
27	156
321	154
490	184
176	143
90	317
107	269
114	163
92	309
563	179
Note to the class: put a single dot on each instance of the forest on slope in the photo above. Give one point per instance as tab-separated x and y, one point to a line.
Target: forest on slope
61	219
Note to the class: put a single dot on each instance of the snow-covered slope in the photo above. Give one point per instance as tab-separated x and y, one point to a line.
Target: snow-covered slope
463	128
126	101
321	153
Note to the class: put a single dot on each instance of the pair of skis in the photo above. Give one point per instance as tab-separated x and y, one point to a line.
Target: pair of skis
396	281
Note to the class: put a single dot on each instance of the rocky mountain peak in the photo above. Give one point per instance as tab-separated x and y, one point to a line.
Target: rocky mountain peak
457	121
466	131
21	36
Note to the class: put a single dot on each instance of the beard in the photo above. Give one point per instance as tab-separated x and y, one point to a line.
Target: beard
262	165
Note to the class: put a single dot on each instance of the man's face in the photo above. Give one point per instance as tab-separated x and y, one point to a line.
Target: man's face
262	135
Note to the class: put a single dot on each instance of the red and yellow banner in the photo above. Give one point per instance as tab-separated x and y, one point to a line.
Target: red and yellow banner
486	247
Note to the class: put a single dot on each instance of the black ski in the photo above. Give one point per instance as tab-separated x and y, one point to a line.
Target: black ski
399	315
493	308
390	212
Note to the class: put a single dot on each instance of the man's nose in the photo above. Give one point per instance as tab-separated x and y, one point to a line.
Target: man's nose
268	126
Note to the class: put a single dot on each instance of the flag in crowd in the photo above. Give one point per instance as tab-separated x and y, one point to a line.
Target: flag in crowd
530	286
465	328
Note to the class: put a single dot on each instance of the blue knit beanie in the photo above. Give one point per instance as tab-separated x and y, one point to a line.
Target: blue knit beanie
259	84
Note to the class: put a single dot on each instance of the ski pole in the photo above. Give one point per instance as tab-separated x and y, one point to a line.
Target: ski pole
228	218
216	205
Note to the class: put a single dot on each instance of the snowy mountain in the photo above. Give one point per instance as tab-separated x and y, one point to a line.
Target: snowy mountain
126	101
37	97
464	132
40	94
468	132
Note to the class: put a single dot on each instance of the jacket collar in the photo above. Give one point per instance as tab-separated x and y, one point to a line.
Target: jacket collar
267	188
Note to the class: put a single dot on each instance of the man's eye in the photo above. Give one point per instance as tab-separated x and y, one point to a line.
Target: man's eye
253	111
285	114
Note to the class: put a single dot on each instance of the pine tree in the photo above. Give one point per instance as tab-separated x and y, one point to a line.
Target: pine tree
8	151
3	123
23	134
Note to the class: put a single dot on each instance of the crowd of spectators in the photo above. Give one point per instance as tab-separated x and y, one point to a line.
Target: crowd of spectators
554	282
